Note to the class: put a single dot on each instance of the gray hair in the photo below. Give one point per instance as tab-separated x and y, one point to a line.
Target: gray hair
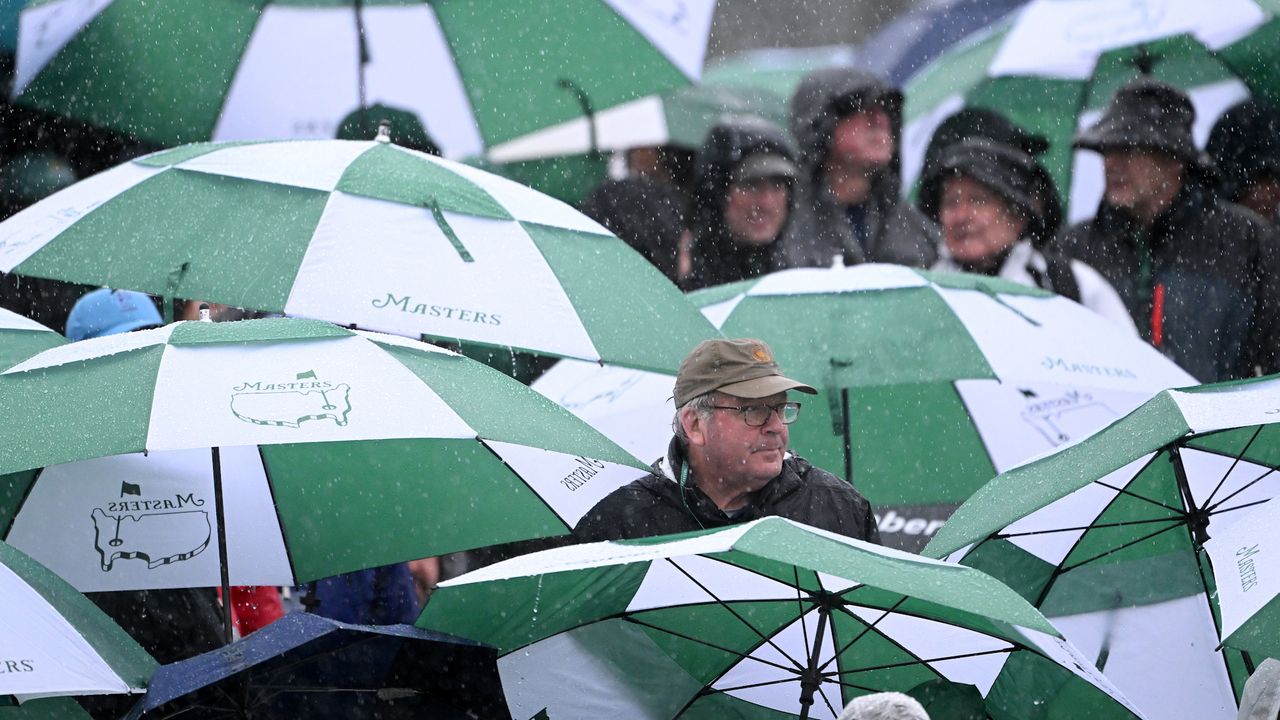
703	405
884	706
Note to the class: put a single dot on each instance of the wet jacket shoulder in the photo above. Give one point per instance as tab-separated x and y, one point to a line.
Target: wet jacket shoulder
896	231
655	505
717	259
1218	265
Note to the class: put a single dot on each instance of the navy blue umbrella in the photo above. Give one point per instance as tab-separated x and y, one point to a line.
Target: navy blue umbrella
919	35
307	666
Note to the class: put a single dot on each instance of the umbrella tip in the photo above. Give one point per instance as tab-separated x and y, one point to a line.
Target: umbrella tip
204	313
384	132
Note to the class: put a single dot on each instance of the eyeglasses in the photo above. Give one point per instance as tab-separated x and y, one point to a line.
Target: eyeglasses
758	415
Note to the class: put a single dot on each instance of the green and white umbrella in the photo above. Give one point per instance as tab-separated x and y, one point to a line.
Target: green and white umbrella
945	380
53	641
1245	570
1107	538
337	450
21	337
59	708
360	233
1053	66
477	73
771	619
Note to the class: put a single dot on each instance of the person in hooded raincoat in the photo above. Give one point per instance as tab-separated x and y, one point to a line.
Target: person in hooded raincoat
1200	276
1245	147
987	198
743	200
848	125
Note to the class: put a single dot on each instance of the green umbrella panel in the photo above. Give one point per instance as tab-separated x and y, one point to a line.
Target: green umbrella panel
1107	538
20	338
771	619
477	72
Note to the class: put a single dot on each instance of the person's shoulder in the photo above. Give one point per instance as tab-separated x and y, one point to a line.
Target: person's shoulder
818	479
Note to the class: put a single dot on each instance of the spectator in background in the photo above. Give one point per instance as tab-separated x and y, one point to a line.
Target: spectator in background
648	215
1245	146
884	706
743	200
985	197
848	125
1199	275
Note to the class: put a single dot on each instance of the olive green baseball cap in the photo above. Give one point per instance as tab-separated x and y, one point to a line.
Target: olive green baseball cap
744	367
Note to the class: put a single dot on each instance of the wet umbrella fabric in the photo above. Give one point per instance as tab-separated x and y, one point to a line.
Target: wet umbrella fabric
948	378
304	665
1243	558
753	621
477	73
360	233
1053	65
338	450
20	338
56	642
60	708
909	41
1107	538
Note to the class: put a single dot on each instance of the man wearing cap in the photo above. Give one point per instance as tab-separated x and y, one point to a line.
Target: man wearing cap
987	197
742	201
848	125
1198	274
728	462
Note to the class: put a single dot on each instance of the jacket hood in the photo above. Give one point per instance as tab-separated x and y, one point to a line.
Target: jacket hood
1007	171
1245	144
827	95
731	140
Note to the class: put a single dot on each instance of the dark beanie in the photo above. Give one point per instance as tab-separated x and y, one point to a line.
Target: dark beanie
1005	170
1145	113
1245	144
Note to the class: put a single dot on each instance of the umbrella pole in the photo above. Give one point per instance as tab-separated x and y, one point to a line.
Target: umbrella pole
363	44
222	544
811	678
848	442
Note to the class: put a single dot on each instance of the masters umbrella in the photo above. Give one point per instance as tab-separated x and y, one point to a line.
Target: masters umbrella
1053	65
1107	538
477	72
55	642
770	619
1245	568
360	233
332	450
931	382
20	338
304	665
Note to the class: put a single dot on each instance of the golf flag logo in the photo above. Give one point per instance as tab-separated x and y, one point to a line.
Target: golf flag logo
305	398
158	531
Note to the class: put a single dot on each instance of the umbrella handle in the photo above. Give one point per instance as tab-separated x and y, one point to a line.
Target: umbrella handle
222	545
584	102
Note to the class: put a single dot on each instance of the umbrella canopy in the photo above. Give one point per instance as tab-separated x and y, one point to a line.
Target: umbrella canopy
909	41
304	665
360	233
20	338
1244	569
60	708
477	73
336	450
932	382
1106	538
1053	66
767	619
56	642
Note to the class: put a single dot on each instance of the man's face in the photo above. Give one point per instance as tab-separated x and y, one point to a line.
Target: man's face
1137	177
756	210
736	452
863	139
977	224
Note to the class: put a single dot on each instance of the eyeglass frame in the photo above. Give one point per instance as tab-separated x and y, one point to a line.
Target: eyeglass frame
779	408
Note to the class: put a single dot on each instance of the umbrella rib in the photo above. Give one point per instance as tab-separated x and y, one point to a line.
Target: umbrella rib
866	628
800	610
1234	462
1246	486
1143	498
1067	568
1126	523
926	661
735	613
713	646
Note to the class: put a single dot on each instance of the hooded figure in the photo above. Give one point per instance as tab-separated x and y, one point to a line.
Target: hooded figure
986	197
744	155
1200	276
1245	146
877	228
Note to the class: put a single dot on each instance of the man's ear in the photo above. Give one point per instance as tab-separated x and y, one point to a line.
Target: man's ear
694	427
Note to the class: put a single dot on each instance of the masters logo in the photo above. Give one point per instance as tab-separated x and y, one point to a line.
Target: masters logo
289	404
156	530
